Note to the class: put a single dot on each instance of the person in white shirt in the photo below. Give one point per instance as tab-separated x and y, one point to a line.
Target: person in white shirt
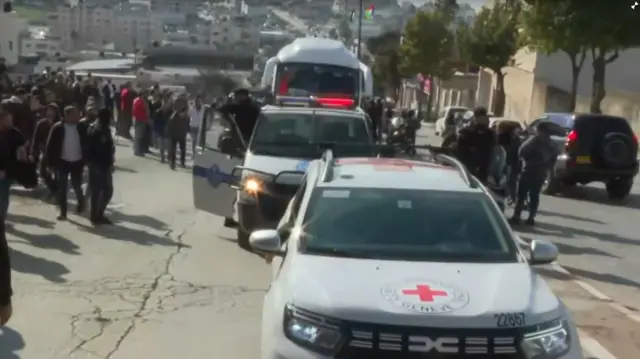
196	117
65	154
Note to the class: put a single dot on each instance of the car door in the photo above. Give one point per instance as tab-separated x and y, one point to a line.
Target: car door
213	171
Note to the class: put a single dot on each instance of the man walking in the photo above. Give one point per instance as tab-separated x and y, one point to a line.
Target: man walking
160	119
100	160
196	118
38	143
64	153
141	124
177	130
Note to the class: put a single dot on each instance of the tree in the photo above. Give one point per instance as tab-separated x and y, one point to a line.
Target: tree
447	8
214	82
344	30
427	47
386	62
491	41
550	27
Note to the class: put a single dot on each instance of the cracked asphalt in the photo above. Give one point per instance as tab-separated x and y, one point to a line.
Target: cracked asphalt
164	282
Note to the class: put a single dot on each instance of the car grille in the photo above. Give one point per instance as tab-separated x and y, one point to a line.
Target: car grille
273	203
368	341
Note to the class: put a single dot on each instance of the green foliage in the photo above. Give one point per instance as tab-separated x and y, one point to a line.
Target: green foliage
447	9
427	47
492	40
550	27
386	61
214	82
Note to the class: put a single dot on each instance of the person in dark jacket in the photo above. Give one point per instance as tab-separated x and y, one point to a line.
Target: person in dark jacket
100	158
38	143
20	109
6	310
177	130
537	155
245	112
475	145
64	152
160	120
13	148
510	141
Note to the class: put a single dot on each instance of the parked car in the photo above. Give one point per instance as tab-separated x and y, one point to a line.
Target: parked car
446	118
593	148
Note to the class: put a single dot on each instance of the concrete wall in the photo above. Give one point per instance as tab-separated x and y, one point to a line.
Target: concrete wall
518	86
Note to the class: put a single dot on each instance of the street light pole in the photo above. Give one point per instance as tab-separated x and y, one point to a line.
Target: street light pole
359	29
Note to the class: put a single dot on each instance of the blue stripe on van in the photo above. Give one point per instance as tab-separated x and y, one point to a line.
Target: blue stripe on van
214	175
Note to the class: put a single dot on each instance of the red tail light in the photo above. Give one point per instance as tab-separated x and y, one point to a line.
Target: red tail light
335	102
572	137
635	139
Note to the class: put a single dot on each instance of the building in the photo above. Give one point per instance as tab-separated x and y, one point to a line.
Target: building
11	28
37	40
87	26
539	83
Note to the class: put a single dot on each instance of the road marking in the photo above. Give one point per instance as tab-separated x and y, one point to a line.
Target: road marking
593	348
598	294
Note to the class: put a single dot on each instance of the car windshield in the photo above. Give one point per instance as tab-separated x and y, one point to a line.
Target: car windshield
304	79
396	224
563	123
298	134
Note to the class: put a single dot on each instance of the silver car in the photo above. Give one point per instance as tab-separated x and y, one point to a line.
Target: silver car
391	258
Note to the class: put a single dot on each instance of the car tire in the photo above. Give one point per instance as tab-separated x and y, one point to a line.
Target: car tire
619	188
552	185
243	240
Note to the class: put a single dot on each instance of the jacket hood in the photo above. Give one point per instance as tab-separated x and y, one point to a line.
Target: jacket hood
405	293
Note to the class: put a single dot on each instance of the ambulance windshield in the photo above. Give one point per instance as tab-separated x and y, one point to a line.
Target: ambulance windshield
305	79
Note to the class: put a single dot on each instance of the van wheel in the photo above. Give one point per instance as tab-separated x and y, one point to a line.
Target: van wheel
552	185
243	240
619	188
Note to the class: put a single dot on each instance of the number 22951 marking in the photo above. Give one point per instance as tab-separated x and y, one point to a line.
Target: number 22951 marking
510	320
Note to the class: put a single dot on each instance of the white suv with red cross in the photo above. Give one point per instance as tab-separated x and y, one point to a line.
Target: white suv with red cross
397	259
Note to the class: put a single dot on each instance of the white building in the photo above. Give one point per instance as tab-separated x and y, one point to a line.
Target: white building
11	27
40	42
87	26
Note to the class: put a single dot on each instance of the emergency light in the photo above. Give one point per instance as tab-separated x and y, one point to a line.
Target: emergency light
330	102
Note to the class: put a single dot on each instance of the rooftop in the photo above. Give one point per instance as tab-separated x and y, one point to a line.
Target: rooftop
96	65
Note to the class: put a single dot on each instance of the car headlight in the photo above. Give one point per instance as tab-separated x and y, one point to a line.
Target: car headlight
548	341
312	331
254	182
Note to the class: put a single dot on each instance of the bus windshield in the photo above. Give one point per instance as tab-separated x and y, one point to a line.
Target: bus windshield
305	79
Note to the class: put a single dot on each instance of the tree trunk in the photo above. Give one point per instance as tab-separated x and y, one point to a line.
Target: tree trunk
598	91
498	95
577	61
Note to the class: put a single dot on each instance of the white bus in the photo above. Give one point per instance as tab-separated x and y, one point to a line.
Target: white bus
317	66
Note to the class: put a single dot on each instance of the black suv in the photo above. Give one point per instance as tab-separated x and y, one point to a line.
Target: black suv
593	148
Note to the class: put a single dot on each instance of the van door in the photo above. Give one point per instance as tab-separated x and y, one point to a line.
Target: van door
213	173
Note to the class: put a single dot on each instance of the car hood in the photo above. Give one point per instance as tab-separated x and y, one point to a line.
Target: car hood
464	295
274	165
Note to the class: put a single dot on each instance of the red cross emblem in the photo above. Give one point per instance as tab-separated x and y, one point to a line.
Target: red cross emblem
425	293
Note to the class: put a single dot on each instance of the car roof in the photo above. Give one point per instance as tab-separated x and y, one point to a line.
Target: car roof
367	172
357	112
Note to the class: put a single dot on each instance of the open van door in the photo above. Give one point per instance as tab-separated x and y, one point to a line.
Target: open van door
214	177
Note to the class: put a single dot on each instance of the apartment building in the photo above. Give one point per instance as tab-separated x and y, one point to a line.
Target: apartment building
90	26
37	40
11	27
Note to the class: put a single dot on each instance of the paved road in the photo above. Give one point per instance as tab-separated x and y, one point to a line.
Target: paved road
165	282
288	17
596	238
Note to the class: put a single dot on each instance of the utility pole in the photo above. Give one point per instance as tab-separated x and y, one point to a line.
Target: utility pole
359	49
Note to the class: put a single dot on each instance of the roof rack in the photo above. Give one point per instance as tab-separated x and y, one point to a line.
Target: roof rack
327	159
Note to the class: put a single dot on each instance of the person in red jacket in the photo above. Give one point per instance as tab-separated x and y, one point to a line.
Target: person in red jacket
126	106
141	123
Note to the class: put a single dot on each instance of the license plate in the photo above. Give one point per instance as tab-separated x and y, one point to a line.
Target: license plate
581	160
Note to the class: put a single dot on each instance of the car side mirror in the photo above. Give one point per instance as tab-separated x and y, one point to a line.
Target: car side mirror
542	252
266	241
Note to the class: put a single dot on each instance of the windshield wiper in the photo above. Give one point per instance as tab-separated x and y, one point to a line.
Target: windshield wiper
334	252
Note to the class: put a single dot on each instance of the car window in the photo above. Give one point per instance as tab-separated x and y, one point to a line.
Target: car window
603	124
561	120
416	225
293	135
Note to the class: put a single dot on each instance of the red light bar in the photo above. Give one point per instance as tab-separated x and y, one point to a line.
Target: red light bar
335	102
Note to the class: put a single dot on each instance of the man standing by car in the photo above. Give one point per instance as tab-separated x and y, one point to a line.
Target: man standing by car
245	113
475	145
537	155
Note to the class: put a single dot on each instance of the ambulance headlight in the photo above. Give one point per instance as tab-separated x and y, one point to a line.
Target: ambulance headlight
549	340
253	185
312	331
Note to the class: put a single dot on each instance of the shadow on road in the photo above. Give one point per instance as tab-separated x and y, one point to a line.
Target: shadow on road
568	216
123	233
29	221
139	219
28	264
10	342
551	273
45	241
550	229
603	277
124	169
599	195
